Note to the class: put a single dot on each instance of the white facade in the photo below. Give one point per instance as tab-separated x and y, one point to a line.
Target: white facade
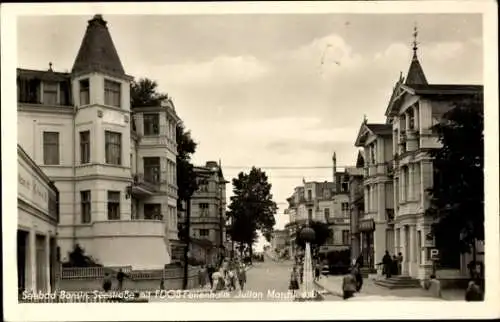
376	226
79	128
36	227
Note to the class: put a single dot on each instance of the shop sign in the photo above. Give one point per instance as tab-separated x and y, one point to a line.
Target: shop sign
367	225
32	188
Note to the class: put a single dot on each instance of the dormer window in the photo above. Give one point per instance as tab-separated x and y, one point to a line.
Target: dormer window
84	92
50	93
112	93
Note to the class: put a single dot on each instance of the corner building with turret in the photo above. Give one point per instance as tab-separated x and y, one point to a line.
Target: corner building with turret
114	165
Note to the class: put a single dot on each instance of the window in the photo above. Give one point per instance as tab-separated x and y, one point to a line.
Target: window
152	211
85	147
50	92
152	169
203	186
309	194
86	208
112	93
345	237
204	232
151	124
113	147
309	214
203	209
345	209
113	205
345	186
327	213
50	148
84	92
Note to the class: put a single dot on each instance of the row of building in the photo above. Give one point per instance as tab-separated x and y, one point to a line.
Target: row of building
381	201
95	171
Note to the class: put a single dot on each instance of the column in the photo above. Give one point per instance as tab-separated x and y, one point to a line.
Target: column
381	201
367	200
47	263
403	248
31	262
410	181
401	185
396	241
412	255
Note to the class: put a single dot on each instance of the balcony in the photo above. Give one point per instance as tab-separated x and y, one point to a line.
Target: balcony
144	187
135	227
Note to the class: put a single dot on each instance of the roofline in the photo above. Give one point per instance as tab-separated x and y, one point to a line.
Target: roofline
25	157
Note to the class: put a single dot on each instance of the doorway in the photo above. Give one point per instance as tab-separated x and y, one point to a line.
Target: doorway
22	240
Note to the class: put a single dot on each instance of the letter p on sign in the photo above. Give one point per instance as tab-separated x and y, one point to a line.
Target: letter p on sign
434	254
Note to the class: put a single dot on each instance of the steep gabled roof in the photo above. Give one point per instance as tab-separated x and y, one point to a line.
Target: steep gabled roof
360	160
443	89
372	128
97	52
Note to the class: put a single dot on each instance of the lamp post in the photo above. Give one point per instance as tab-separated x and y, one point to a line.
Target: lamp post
308	235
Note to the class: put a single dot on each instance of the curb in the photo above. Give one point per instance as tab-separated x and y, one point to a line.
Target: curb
329	291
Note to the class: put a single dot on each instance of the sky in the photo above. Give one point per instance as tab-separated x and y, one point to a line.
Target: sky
272	90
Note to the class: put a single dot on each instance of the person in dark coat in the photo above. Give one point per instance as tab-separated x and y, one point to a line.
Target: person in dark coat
387	262
120	276
107	283
210	272
394	266
473	292
359	261
349	285
359	277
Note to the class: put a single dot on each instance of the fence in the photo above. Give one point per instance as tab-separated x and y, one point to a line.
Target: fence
91	278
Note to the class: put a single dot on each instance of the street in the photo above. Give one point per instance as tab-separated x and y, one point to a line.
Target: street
266	281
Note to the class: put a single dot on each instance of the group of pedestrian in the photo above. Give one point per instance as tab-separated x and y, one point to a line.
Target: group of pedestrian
230	276
107	283
392	265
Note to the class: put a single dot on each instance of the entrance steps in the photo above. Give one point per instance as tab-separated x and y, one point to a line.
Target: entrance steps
398	282
367	271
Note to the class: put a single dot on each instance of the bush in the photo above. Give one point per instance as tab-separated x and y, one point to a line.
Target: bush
78	258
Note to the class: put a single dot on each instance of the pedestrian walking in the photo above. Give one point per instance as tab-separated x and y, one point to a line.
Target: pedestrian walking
120	276
210	272
349	285
242	276
359	278
107	283
301	272
317	270
387	261
294	279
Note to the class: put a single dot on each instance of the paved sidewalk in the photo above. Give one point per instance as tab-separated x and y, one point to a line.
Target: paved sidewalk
370	291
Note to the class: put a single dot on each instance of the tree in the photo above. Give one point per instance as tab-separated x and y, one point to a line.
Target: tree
144	92
321	233
457	195
252	207
78	258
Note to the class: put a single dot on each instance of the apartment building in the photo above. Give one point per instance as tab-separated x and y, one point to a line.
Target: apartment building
415	106
279	240
113	164
208	212
37	218
376	229
356	202
326	202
